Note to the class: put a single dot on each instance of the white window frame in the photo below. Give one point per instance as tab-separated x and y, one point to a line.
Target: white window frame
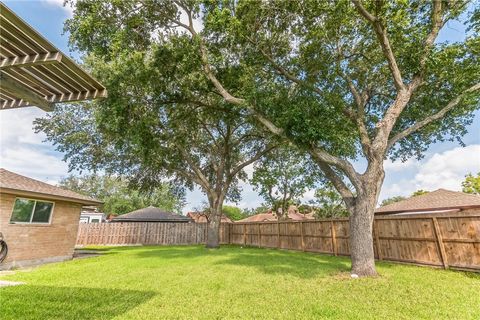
33	211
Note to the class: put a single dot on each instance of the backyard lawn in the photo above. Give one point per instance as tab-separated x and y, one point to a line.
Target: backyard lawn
232	282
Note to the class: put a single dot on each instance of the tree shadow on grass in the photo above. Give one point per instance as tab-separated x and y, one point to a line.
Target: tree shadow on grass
269	261
48	302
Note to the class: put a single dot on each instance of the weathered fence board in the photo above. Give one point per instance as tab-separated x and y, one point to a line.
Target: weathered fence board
446	241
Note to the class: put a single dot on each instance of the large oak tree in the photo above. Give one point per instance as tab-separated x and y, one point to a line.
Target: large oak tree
342	80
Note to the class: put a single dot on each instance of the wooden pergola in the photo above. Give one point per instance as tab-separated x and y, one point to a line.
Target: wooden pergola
35	73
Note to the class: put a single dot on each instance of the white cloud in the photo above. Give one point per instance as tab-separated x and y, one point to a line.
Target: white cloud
309	195
448	169
441	170
33	163
22	150
398	165
17	127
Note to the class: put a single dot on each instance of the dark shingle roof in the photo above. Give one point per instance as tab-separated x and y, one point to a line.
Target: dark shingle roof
151	214
17	184
440	199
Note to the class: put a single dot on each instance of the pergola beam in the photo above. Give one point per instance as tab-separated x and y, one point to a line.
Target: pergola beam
12	86
30	60
84	95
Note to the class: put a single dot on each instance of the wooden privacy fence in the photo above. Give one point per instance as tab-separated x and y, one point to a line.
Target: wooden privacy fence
445	241
145	233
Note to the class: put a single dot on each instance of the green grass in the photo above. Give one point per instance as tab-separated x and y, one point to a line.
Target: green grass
233	282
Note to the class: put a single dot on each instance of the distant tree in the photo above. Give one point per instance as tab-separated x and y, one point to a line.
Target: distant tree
392	200
119	197
253	211
471	184
282	178
329	203
306	208
419	192
233	213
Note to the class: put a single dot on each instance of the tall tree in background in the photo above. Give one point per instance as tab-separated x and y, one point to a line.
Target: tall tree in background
419	192
282	178
471	184
234	213
119	198
391	200
329	203
341	79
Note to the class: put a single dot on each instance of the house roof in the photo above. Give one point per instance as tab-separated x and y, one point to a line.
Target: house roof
200	217
14	183
261	217
437	200
151	214
33	72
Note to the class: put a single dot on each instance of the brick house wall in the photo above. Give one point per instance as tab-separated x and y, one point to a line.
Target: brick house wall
35	244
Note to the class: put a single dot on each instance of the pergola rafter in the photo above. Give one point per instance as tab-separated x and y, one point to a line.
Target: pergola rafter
35	73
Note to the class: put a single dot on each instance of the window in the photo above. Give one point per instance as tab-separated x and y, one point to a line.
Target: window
95	221
31	211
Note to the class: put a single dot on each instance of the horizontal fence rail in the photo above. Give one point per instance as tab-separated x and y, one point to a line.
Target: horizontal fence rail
445	241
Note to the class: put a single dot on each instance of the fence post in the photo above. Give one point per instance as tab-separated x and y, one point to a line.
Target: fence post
259	236
229	233
334	237
206	232
377	240
146	232
301	234
441	247
244	234
278	234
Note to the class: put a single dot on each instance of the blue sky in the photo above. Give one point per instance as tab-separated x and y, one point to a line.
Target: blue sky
25	152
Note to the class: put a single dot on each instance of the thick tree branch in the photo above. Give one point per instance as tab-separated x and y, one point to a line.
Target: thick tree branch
217	84
203	181
320	156
345	192
358	117
440	114
437	24
384	43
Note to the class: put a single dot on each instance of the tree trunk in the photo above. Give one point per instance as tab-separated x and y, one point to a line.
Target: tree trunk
213	228
361	239
361	223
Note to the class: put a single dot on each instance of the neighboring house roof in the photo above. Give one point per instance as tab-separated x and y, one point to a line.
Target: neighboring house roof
200	217
20	185
269	216
438	200
261	217
34	72
151	214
